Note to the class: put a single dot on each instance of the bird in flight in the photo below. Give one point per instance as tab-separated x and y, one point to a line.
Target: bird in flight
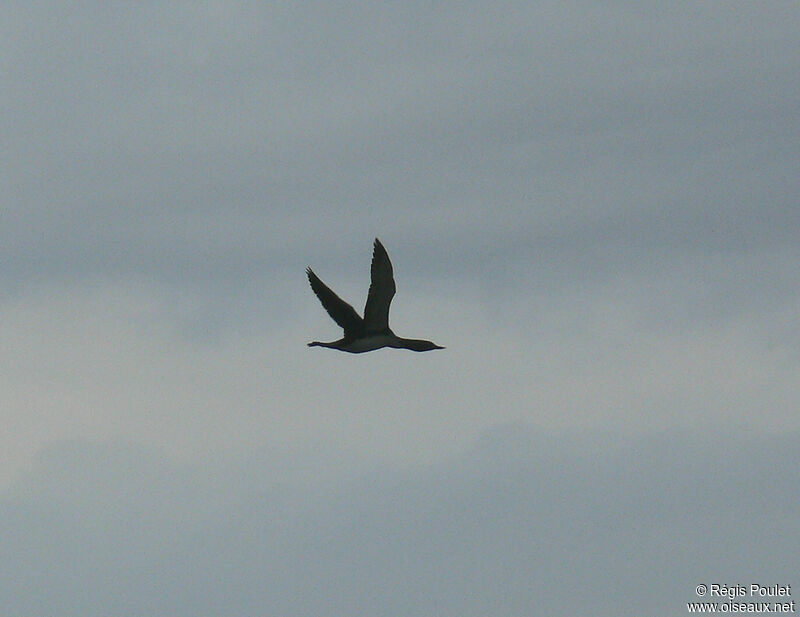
372	332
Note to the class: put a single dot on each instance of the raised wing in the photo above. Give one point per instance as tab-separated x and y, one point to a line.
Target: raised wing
339	310
381	290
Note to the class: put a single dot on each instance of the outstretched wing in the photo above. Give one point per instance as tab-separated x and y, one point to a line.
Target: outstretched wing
339	310
381	290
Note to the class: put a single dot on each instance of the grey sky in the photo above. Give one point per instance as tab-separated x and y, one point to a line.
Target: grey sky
595	208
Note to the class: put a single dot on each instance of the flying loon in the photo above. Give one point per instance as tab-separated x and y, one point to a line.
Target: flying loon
372	332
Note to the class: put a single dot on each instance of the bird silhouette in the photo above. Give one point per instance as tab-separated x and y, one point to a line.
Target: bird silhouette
372	331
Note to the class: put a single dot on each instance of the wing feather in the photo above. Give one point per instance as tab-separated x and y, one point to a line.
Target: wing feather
339	310
381	290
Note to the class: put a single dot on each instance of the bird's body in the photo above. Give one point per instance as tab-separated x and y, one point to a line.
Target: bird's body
372	331
369	342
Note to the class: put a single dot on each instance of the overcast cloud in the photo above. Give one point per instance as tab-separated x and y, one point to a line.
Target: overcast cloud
596	209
